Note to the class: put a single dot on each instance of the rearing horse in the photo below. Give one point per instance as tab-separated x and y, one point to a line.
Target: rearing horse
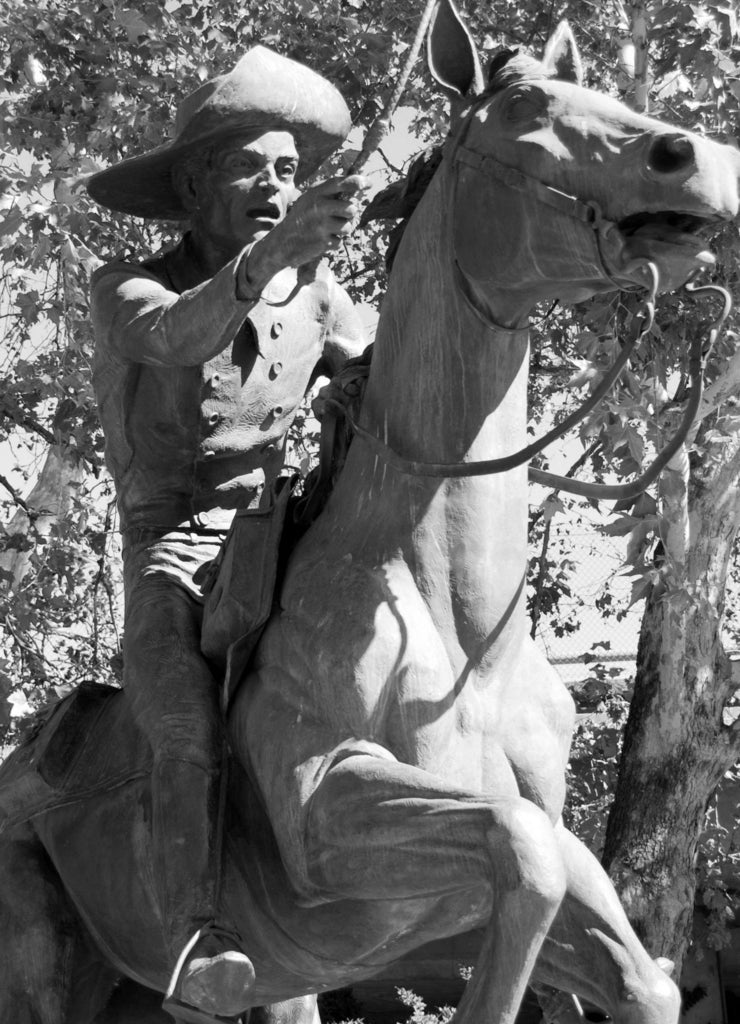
400	743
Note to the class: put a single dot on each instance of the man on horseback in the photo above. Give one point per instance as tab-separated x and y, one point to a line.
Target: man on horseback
203	354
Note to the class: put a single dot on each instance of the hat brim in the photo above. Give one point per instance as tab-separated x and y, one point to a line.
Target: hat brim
142	185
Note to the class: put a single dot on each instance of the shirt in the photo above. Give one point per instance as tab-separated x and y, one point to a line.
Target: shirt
197	382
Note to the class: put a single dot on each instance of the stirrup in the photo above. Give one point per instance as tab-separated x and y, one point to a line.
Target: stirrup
186	1013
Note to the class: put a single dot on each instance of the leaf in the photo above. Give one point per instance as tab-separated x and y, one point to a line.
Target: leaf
19	704
621	527
640	590
133	23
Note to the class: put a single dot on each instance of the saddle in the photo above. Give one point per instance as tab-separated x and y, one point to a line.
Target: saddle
242	583
87	743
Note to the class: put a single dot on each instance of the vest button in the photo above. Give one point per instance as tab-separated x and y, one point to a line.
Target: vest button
277	329
277	410
275	370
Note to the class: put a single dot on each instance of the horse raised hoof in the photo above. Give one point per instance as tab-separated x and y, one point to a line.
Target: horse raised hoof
211	984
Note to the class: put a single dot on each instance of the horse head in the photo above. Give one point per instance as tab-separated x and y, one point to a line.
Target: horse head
583	191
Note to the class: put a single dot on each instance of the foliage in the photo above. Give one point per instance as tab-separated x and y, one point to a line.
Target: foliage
83	82
420	1013
602	700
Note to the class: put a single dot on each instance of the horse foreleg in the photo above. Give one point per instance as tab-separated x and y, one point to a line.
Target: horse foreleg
49	973
591	949
380	830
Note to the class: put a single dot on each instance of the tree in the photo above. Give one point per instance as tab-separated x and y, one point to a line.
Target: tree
682	736
87	81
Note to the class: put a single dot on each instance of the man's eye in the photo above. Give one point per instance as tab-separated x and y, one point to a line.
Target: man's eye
286	170
239	163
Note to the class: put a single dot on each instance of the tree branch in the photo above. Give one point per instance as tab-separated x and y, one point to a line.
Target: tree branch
30	424
16	496
724	389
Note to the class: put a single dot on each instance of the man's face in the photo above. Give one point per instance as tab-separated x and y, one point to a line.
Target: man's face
247	189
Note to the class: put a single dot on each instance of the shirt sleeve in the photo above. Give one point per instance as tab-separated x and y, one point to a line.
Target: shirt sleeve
144	321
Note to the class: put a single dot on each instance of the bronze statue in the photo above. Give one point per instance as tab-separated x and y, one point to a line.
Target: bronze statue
399	743
200	366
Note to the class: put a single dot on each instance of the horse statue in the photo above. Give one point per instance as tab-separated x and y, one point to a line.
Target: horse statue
399	743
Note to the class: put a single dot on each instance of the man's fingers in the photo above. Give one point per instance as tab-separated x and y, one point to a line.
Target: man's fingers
355	184
340	208
350	186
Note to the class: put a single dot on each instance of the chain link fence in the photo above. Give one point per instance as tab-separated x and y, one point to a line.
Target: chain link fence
596	622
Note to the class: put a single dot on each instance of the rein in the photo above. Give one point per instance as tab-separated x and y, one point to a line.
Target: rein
619	492
588	213
485	467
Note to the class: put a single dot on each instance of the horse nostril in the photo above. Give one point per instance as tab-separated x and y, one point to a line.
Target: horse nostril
670	154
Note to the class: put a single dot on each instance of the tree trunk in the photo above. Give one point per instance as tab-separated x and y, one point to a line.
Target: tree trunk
676	747
639	30
48	503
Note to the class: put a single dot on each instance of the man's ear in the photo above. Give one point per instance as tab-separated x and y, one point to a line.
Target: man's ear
562	56
183	183
451	54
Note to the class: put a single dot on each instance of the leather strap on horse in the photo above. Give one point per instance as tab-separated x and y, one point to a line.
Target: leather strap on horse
617	492
510	176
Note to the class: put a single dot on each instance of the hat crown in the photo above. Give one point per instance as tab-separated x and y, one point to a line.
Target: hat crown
263	90
192	103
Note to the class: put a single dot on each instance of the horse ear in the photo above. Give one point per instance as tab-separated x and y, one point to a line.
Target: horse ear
562	56
451	54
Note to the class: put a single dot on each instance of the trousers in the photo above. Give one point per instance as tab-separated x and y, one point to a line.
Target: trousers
174	696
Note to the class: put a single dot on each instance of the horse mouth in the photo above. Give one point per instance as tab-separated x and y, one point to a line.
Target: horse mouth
676	243
669	227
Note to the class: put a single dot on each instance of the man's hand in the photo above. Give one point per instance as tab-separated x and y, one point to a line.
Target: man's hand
314	225
347	386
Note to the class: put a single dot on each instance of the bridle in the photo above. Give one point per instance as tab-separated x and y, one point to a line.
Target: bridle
590	215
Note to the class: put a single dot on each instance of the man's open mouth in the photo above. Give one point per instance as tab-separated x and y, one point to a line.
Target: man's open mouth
269	212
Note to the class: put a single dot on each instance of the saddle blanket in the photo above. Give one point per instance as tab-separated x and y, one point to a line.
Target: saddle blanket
86	744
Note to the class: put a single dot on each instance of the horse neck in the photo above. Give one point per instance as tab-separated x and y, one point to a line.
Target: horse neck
444	387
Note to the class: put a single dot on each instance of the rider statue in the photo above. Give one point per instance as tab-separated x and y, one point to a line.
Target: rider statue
203	354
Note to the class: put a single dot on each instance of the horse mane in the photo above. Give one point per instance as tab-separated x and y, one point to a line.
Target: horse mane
509	66
399	200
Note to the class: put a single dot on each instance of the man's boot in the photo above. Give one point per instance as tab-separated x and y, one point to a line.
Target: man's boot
213	979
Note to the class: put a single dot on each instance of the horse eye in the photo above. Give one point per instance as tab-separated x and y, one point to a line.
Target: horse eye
522	106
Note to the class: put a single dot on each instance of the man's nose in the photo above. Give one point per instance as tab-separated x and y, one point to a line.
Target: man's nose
268	180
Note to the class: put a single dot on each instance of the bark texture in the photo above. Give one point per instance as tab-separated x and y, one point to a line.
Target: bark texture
677	745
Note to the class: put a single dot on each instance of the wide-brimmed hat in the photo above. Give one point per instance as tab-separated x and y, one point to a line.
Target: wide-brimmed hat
264	91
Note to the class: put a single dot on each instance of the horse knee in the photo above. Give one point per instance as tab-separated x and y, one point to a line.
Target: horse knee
654	999
535	862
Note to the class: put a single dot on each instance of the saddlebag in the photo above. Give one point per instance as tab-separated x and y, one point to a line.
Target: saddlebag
239	594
